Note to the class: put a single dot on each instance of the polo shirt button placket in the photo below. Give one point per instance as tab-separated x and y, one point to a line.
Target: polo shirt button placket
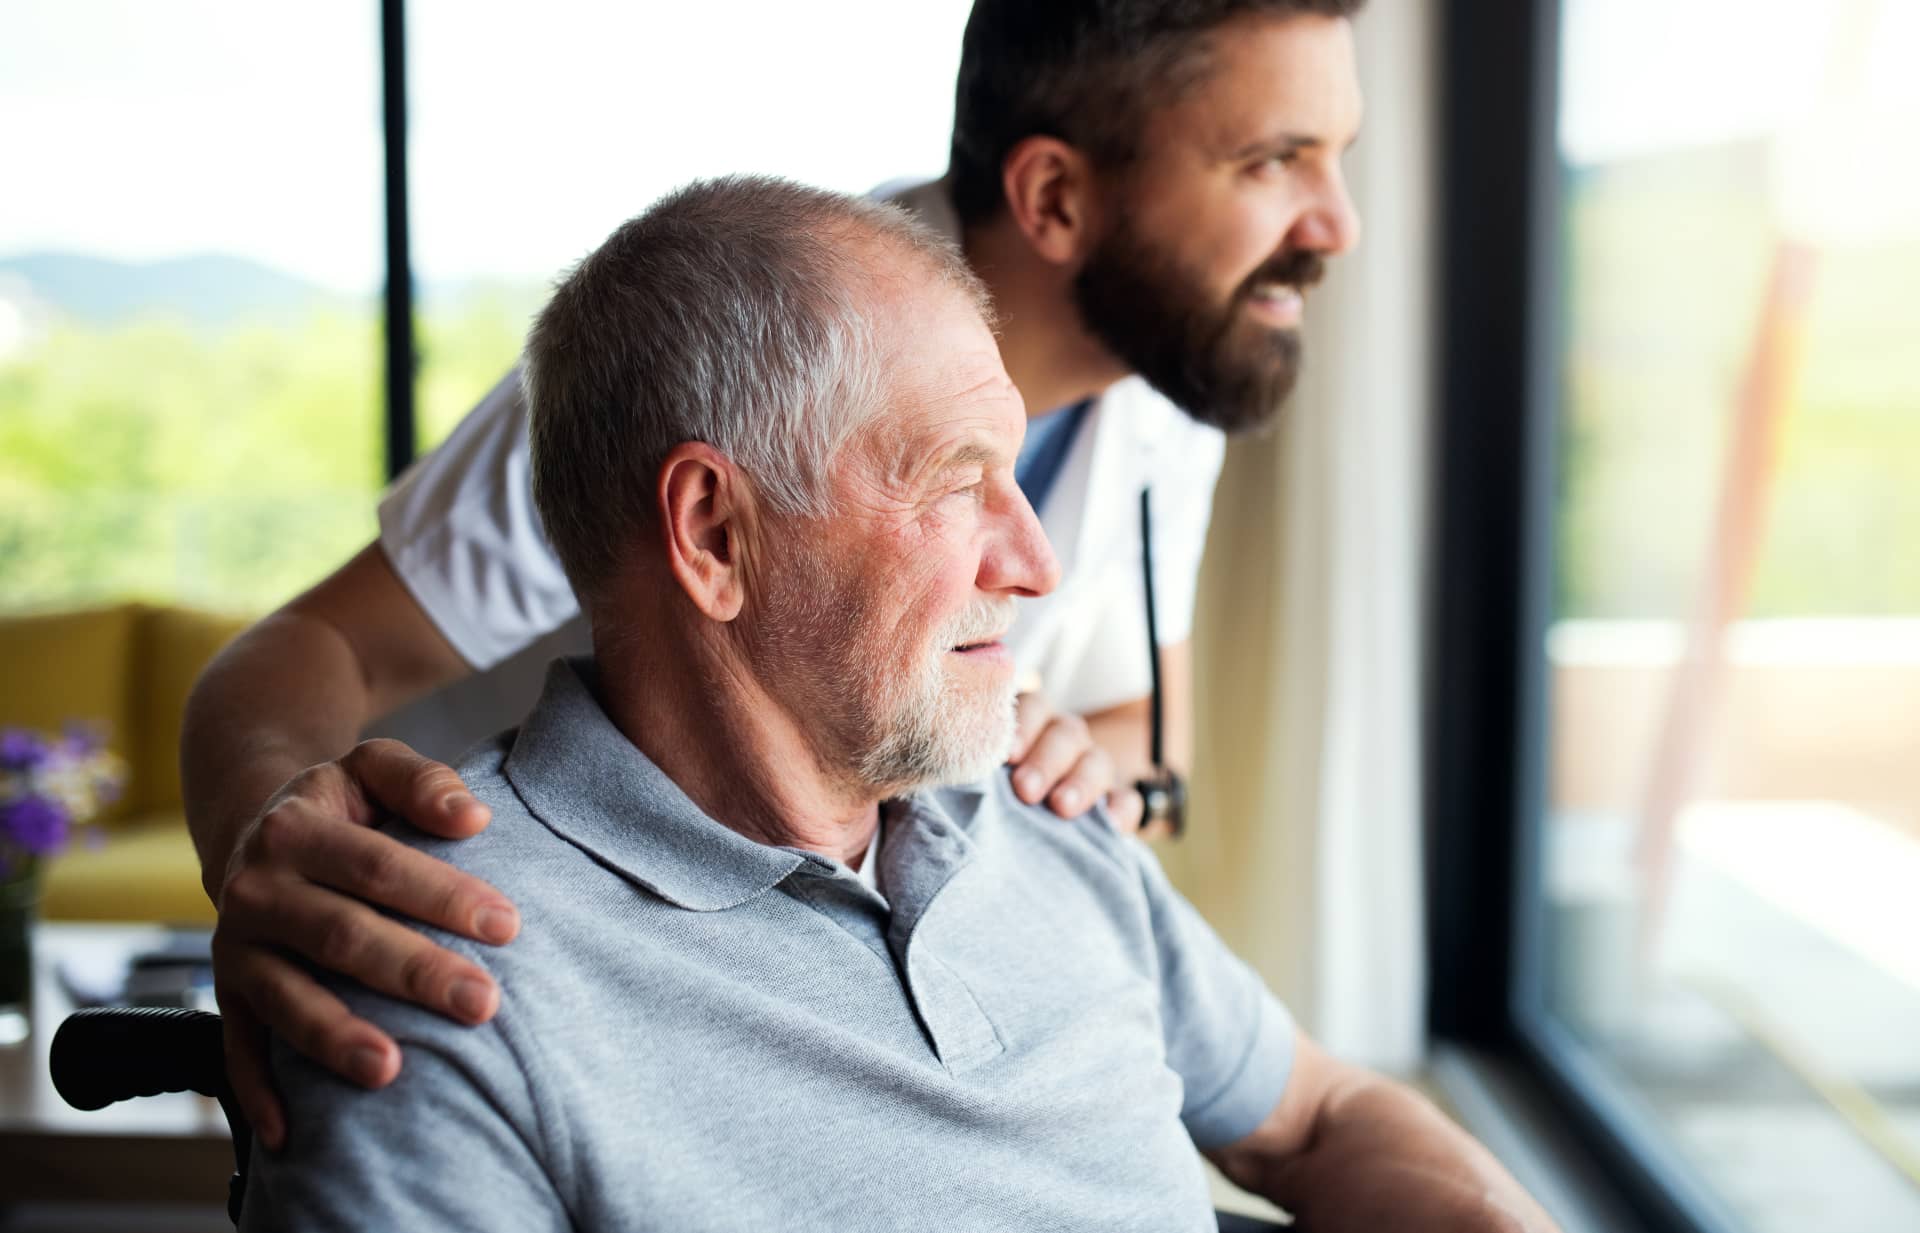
959	1030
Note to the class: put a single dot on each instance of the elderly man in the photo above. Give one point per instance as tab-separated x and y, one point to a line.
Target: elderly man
772	975
1149	188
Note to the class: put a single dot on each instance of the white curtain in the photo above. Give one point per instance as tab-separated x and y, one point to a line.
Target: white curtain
1305	848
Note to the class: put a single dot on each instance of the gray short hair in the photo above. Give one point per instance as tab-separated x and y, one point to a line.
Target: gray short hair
730	313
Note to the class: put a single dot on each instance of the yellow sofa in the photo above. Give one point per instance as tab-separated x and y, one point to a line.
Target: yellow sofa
127	669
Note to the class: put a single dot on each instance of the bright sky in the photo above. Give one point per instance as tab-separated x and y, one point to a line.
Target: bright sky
139	130
1830	86
1643	75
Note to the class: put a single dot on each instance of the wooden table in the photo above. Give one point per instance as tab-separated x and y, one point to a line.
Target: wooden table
158	1148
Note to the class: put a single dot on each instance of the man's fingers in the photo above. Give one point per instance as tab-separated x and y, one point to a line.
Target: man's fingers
345	936
1086	783
248	1076
381	870
424	792
314	1022
1031	711
1053	756
1126	809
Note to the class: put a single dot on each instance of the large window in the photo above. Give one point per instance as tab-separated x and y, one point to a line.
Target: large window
533	138
1706	567
189	327
192	379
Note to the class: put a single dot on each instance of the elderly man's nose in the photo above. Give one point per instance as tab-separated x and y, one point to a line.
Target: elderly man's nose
1020	559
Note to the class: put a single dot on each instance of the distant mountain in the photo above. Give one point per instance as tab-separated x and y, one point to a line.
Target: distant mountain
209	290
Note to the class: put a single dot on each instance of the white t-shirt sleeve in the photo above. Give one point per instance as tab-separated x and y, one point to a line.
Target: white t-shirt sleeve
460	530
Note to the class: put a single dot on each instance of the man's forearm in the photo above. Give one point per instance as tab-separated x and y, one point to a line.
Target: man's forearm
275	721
1380	1152
286	694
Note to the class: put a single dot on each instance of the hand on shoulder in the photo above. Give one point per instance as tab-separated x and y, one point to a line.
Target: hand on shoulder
308	878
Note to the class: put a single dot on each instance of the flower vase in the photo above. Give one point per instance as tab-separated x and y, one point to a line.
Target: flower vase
19	900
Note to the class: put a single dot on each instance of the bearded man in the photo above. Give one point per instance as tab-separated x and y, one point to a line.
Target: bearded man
1148	187
773	974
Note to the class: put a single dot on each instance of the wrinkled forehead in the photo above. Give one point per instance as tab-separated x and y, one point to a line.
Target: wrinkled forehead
946	386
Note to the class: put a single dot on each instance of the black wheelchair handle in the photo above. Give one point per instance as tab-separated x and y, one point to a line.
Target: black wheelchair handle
113	1053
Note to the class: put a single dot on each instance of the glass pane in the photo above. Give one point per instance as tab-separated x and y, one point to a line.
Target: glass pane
189	260
537	131
1732	917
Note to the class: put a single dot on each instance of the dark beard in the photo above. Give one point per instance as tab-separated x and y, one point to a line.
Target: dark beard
1217	367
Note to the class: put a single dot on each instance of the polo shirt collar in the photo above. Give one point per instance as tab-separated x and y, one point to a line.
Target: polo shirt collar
591	786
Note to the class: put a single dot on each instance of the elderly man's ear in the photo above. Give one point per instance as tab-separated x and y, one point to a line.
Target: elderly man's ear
703	504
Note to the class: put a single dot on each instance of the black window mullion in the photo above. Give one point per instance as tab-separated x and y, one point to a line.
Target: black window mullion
1493	440
1496	474
401	362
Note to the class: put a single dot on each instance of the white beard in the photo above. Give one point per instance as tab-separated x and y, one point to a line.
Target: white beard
932	731
889	730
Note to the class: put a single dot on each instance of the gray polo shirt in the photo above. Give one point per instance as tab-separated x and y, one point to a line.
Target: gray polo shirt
1023	1027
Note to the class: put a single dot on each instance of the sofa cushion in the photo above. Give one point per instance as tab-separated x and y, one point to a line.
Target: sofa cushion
172	646
56	667
145	870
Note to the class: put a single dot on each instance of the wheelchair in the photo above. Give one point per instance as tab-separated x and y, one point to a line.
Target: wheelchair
104	1055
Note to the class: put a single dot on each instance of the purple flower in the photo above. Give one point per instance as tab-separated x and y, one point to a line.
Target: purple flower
21	750
35	823
81	738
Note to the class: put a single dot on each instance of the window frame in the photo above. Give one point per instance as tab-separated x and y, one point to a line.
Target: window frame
1494	481
402	356
397	325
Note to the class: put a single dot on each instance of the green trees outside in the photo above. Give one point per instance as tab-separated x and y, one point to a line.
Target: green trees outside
229	458
467	340
224	467
156	460
1667	261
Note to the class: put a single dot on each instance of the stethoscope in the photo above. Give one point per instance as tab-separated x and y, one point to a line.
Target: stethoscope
1163	791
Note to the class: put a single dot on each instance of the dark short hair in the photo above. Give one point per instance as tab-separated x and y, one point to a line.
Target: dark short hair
1089	72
